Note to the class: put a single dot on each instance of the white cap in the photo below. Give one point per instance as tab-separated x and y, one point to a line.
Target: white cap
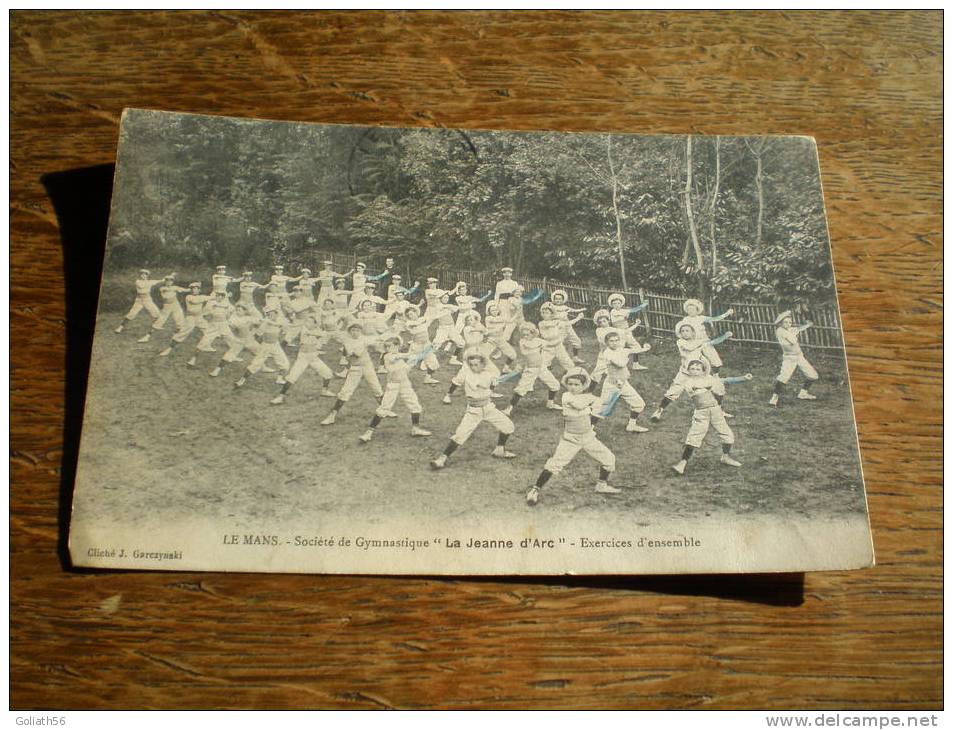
577	373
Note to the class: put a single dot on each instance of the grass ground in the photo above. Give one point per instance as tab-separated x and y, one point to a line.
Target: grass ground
162	437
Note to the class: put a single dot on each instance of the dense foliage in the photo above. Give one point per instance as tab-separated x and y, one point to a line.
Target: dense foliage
728	216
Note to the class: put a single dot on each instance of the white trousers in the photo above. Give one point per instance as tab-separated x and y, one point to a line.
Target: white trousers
790	363
476	415
571	444
705	418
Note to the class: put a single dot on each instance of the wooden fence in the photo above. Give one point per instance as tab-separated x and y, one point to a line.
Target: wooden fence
751	323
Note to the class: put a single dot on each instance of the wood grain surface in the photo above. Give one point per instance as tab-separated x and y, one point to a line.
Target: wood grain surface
867	85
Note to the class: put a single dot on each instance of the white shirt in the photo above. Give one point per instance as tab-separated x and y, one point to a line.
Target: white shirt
505	286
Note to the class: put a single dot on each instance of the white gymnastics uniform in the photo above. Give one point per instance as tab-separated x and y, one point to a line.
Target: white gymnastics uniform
309	355
144	299
243	338
357	301
194	316
398	307
474	338
688	350
358	280
219	312
419	332
708	413
432	298
617	379
301	302
220	283
512	310
398	385
505	288
701	332
579	434
792	357
246	296
307	285
619	318
299	305
391	293
480	408
496	335
282	281
552	331
372	325
465	304
326	279
538	356
270	347
342	300
445	327
600	369
330	322
170	308
569	333
360	368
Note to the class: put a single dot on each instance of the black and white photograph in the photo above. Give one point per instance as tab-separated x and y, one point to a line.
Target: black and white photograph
345	349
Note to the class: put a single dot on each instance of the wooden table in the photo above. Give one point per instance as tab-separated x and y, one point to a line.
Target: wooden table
867	85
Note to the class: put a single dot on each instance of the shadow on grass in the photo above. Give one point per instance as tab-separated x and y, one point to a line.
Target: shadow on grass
81	200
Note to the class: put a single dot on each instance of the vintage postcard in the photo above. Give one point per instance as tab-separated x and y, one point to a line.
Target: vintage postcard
343	349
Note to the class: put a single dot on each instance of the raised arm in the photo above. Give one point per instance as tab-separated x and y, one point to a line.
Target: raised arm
721	338
505	378
609	405
737	379
719	317
419	357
